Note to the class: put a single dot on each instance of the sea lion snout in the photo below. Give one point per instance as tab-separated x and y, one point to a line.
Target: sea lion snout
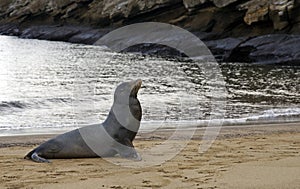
135	87
138	83
127	89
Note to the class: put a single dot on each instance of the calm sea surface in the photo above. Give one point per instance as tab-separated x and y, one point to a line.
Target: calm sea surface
54	86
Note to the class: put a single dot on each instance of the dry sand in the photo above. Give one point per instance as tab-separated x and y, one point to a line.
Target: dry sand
266	156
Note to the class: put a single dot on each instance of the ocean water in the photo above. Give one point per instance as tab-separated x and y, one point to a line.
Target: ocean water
48	87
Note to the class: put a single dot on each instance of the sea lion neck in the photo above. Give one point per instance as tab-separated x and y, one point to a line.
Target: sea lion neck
126	110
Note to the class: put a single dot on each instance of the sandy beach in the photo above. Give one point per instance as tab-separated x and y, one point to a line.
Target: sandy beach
264	156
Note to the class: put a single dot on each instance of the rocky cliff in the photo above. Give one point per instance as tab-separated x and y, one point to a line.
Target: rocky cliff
226	25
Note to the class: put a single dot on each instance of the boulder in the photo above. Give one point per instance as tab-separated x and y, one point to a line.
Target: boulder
278	11
268	49
222	48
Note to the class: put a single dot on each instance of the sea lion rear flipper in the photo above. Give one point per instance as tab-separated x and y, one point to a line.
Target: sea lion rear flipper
127	151
35	157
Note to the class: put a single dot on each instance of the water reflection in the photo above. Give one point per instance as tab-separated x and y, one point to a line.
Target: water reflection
51	84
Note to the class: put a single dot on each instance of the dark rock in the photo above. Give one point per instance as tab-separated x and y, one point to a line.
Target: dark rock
222	48
268	49
206	36
52	33
10	29
73	34
89	36
156	50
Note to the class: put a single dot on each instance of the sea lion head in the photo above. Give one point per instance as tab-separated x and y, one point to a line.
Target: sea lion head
126	96
127	90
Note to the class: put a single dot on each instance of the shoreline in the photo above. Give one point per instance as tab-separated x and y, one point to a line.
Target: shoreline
194	126
260	153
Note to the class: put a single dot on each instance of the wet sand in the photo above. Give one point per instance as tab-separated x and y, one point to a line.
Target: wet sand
264	156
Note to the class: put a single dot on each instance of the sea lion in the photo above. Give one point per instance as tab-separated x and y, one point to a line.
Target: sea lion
113	136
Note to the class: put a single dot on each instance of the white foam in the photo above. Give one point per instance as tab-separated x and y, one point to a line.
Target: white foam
267	116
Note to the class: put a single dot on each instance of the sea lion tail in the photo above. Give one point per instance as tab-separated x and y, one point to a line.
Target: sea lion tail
35	157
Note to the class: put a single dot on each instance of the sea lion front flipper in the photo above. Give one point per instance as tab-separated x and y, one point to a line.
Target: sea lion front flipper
127	151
